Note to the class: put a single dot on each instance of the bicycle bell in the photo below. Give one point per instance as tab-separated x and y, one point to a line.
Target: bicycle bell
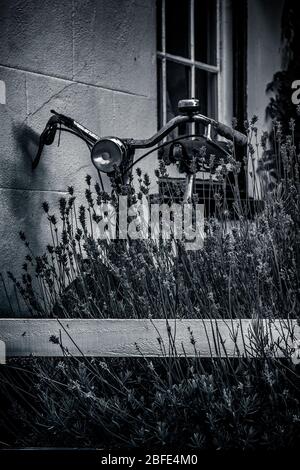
189	106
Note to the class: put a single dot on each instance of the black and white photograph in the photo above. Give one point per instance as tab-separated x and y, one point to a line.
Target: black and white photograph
149	230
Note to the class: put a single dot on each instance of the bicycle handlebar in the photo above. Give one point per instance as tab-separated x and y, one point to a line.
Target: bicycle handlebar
48	135
76	126
230	134
222	129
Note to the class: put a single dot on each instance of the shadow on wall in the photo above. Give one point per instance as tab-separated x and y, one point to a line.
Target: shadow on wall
27	140
21	211
15	208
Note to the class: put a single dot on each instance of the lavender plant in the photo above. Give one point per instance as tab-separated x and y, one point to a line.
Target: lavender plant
247	268
155	404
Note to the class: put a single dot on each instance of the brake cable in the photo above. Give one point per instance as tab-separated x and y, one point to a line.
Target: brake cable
59	135
186	136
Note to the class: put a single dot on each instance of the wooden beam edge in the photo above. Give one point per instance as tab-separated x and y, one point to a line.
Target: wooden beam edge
23	337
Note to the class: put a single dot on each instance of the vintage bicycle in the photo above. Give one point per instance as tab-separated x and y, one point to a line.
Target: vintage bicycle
113	155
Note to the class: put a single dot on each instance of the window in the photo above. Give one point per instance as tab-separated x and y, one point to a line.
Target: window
188	59
201	50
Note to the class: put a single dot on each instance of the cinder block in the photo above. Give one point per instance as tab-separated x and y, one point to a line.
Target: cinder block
37	35
135	116
115	45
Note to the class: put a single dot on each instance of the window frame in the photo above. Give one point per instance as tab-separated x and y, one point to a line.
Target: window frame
223	69
191	62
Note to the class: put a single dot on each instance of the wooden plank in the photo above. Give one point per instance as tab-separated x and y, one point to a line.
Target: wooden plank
133	337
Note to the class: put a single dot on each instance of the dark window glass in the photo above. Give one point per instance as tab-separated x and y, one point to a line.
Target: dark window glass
206	92
205	31
177	27
178	88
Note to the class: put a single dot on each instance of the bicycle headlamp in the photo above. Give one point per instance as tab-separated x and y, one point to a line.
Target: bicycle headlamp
108	153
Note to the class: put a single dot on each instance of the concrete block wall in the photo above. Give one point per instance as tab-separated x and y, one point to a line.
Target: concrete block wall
94	60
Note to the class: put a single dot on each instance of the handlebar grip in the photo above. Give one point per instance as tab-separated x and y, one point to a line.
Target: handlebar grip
46	138
66	120
231	134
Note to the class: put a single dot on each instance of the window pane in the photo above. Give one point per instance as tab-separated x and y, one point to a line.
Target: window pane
206	92
178	88
177	27
205	31
158	25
